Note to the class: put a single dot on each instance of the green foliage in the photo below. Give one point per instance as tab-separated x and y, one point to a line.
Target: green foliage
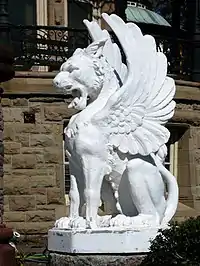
178	245
22	259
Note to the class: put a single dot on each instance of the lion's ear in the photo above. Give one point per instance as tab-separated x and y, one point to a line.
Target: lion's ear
95	49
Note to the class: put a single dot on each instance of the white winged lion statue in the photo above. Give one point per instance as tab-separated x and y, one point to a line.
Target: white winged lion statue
116	143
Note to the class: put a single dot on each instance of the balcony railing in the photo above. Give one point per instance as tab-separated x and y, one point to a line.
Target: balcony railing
51	45
45	45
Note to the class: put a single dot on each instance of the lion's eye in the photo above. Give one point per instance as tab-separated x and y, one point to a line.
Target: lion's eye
72	68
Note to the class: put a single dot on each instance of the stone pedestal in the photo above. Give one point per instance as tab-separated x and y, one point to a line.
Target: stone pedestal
102	246
96	260
100	241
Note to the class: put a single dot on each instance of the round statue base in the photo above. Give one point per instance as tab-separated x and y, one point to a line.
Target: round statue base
100	241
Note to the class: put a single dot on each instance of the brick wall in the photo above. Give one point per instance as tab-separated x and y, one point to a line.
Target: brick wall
33	167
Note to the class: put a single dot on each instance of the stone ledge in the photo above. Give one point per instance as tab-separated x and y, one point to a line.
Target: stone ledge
96	260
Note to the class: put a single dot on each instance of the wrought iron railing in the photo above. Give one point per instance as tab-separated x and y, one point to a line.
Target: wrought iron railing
179	55
51	45
45	45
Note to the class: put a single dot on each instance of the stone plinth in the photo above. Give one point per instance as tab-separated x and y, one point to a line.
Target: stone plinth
96	260
100	241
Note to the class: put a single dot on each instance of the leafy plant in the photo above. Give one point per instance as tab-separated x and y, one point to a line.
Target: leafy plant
44	258
178	245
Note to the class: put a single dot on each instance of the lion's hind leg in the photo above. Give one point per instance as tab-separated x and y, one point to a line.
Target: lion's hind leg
138	174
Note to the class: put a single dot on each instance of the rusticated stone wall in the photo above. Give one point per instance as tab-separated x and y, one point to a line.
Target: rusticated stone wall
33	167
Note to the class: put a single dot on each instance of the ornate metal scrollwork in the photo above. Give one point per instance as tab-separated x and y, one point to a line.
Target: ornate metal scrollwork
45	45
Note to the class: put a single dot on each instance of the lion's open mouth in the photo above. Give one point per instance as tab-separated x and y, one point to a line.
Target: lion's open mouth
76	92
80	98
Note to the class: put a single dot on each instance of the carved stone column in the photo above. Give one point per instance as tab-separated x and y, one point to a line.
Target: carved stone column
42	12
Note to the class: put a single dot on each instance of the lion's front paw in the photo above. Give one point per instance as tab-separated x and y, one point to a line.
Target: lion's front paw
78	222
62	223
120	221
104	221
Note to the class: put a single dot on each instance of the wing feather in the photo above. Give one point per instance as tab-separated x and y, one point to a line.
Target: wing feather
111	51
144	104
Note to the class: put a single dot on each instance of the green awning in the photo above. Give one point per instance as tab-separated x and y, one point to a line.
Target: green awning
143	15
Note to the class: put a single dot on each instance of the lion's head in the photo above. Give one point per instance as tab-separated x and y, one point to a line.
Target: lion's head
83	74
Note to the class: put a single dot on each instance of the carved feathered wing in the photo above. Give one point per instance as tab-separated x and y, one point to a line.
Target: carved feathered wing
134	116
111	51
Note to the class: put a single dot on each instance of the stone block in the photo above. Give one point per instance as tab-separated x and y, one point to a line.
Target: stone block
9	132
61	211
193	174
46	128
5	102
39	118
26	128
31	150
32	228
48	207
198	174
21	161
40	191
53	155
40	216
42	181
185	192
39	158
1	183
6	203
12	147
13	114
183	157
58	112
22	203
1	172
16	185
7	159
7	168
43	128
58	129
32	172
23	139
35	107
41	140
20	102
55	196
184	175
1	203
14	216
59	176
41	199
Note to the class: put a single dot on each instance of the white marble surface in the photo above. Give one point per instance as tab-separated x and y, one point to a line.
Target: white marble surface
116	144
100	241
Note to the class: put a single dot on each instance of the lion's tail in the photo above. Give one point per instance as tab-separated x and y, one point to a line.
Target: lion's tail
173	193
